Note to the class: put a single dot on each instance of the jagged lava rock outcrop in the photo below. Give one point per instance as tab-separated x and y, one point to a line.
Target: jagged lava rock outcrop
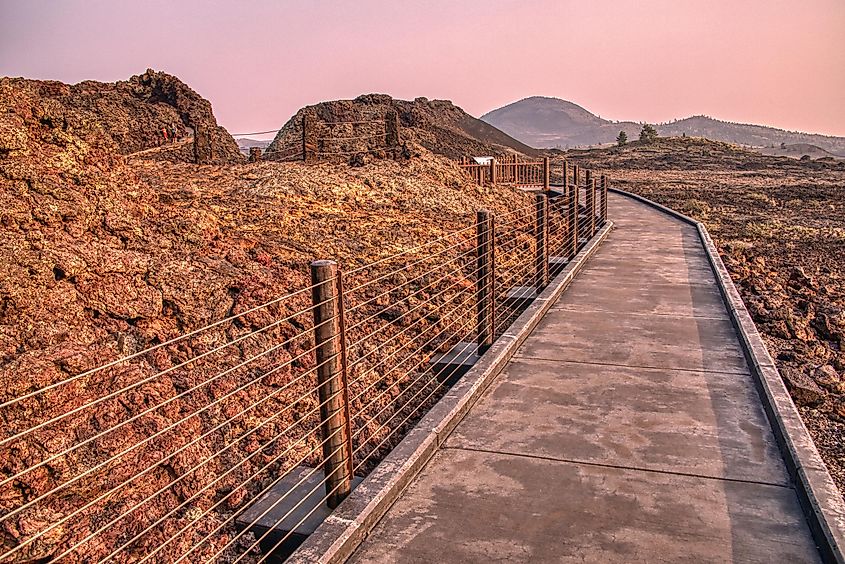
135	114
438	125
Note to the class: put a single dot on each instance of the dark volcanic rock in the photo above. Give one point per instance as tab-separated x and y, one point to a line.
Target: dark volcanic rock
103	256
148	113
804	390
344	128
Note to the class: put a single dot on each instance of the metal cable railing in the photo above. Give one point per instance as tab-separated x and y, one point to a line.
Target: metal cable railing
160	455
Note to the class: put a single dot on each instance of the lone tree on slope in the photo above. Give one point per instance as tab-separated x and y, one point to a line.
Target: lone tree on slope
622	138
648	134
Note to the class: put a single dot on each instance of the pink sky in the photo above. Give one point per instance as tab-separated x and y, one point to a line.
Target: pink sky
773	62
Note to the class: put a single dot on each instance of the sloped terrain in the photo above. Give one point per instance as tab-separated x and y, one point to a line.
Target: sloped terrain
148	111
437	125
799	150
778	224
103	255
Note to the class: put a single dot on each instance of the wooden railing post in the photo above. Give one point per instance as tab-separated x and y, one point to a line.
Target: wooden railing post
565	177
493	178
330	349
603	198
545	174
541	236
485	253
589	201
572	223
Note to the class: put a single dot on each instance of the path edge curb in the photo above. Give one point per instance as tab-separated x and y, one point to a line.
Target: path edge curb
348	525
820	499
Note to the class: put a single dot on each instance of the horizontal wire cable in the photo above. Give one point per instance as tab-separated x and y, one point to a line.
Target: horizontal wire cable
382	361
320	484
249	526
258	495
356	138
147	439
305	497
157	347
289	151
410	281
189	471
207	511
456	272
360	411
451	273
420	247
276	437
351	122
418	350
467	254
152	377
367	150
255	133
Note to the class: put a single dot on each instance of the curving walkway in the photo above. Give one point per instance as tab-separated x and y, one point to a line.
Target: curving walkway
626	429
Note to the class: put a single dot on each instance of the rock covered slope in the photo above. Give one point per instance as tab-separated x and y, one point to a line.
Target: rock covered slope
103	255
438	125
131	114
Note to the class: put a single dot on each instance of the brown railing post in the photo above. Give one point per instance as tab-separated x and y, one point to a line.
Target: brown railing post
330	348
603	198
572	223
493	178
565	177
591	205
485	253
576	175
541	236
545	174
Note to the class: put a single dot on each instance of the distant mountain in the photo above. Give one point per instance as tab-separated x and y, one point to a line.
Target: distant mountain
551	122
245	144
798	150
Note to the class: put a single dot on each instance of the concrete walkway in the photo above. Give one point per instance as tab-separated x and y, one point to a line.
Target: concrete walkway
626	429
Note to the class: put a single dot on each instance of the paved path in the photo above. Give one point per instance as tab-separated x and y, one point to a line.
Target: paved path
627	428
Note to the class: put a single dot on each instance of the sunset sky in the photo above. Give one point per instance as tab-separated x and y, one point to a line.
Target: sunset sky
773	62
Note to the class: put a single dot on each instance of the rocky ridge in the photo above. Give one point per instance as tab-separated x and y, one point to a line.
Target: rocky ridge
106	251
436	125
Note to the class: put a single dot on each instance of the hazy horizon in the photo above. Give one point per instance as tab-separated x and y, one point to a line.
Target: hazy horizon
761	62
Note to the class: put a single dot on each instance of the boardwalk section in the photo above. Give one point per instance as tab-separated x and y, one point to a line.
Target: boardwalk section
627	428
